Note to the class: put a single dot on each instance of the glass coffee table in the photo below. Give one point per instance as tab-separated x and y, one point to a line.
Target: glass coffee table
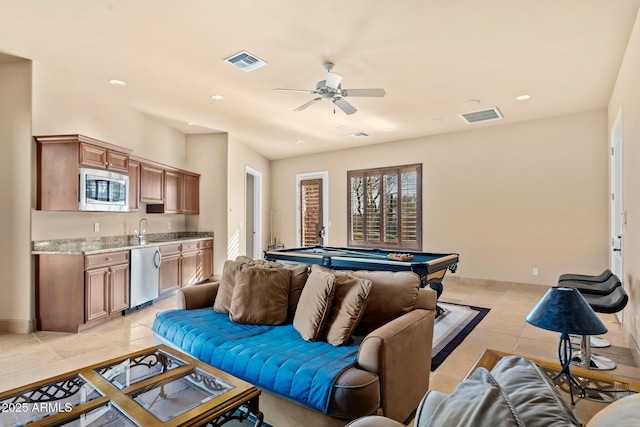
158	386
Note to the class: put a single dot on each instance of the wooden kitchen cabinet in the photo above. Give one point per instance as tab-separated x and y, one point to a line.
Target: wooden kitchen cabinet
205	261
170	276
59	159
134	185
181	194
76	292
151	184
190	256
99	157
173	202
191	194
107	286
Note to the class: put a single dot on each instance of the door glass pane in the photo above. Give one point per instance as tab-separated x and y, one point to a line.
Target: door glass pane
390	216
373	208
409	207
311	215
357	208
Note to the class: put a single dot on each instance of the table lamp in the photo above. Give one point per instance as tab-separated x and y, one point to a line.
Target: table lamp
565	310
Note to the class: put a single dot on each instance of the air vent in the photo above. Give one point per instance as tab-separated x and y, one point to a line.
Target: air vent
482	116
245	61
359	135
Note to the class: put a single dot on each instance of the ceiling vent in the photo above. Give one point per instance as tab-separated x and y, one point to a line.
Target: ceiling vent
245	61
359	135
482	116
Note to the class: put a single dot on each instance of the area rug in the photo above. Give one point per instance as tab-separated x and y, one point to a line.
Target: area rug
452	327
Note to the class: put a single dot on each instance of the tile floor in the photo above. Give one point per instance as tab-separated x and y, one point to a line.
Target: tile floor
26	358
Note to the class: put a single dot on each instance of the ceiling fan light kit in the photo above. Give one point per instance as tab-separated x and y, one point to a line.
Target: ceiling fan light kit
331	89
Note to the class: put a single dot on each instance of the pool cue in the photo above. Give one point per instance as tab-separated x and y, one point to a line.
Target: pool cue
356	253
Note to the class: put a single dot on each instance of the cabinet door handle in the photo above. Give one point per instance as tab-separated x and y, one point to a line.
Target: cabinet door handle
107	259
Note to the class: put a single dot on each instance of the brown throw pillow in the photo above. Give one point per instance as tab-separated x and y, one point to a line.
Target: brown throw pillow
348	306
314	306
222	303
299	275
260	296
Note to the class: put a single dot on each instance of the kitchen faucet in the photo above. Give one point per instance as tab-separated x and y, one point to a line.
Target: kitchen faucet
141	237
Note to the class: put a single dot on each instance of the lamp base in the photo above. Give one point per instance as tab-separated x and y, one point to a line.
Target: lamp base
565	356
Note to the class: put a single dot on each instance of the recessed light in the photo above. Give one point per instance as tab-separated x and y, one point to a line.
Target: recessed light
471	102
117	82
343	127
217	97
192	124
523	97
299	141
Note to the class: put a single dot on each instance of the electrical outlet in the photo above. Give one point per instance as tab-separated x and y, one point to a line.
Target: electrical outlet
536	272
96	227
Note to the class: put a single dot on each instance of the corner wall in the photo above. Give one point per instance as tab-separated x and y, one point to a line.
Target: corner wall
16	280
207	155
626	98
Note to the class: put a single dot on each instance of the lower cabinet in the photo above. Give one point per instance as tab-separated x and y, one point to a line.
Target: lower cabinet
76	292
170	276
185	264
107	291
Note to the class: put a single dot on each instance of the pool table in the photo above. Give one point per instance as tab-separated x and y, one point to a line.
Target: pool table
431	267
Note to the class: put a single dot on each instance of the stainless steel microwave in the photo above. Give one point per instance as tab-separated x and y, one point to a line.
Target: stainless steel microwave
102	190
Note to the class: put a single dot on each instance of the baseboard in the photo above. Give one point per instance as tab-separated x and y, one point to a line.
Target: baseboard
11	326
633	345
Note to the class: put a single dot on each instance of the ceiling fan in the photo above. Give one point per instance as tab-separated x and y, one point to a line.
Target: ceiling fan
331	90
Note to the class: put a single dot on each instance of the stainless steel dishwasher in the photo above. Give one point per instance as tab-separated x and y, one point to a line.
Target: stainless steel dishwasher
145	264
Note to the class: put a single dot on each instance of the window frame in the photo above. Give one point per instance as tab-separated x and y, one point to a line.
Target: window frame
381	172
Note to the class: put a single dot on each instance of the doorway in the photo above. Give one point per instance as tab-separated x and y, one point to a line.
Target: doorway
312	209
617	206
253	212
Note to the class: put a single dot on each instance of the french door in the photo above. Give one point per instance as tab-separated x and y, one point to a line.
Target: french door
312	210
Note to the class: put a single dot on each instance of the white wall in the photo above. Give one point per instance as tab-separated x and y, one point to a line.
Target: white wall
16	280
506	198
207	155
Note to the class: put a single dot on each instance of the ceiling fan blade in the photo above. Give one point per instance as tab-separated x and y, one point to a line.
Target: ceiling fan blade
306	104
344	105
363	92
294	90
333	80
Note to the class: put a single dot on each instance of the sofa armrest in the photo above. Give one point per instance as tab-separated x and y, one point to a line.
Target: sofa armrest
427	299
399	352
374	421
198	296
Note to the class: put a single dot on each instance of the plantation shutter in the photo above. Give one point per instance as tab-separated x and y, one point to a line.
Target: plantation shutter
385	207
311	212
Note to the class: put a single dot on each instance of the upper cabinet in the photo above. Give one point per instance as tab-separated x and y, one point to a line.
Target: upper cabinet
94	156
151	184
59	158
134	185
181	194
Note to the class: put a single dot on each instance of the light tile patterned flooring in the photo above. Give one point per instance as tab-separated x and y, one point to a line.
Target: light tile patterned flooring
26	358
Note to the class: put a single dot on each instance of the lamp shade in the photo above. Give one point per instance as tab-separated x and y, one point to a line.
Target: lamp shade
565	310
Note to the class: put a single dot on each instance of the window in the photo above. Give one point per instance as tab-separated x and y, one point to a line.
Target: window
385	207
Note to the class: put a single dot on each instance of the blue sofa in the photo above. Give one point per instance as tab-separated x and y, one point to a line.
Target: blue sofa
384	371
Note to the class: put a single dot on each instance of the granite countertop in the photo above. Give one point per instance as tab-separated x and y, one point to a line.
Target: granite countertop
97	245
